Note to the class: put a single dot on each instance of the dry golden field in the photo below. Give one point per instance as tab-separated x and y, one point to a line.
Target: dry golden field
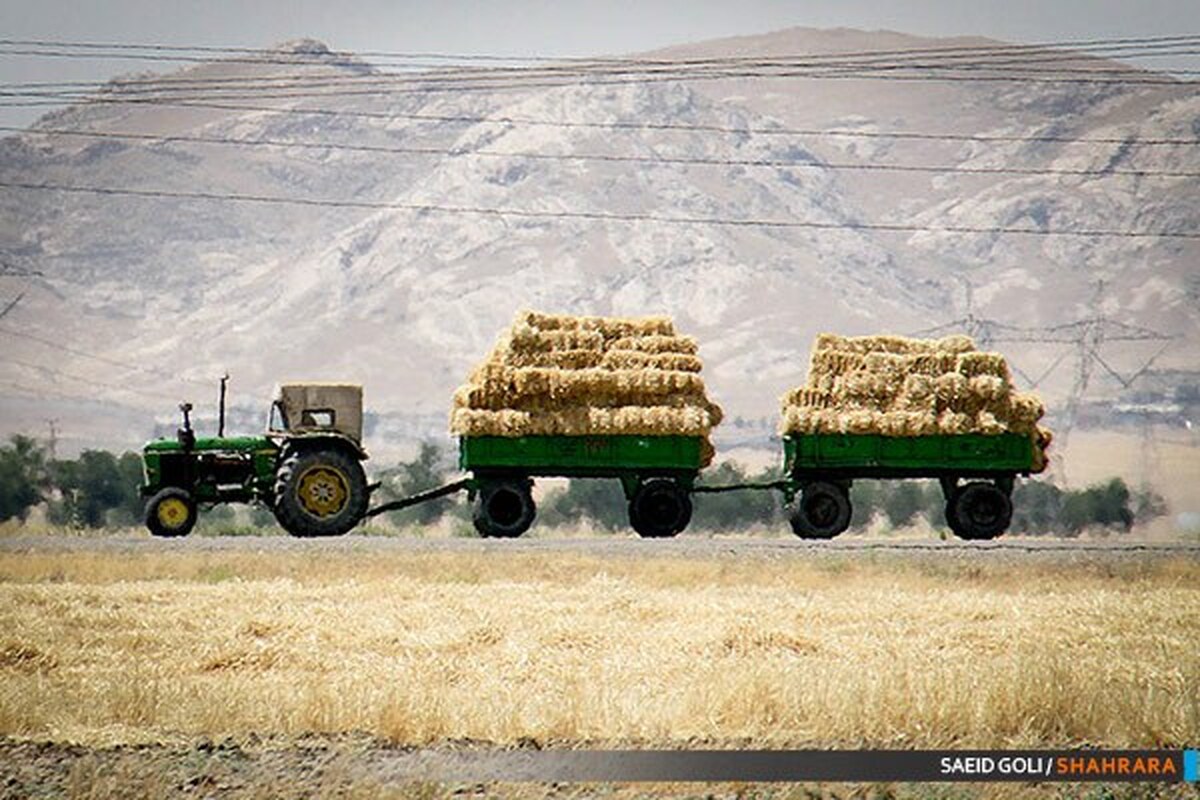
427	647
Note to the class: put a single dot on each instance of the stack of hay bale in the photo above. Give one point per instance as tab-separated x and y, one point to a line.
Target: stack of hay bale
896	386
558	375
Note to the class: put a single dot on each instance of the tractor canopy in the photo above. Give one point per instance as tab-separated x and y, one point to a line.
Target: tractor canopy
307	408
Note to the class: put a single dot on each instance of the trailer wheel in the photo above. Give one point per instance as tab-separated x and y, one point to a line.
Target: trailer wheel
978	510
171	513
320	493
822	512
659	508
504	509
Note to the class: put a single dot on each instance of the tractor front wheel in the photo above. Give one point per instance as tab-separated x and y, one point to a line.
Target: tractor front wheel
171	512
320	493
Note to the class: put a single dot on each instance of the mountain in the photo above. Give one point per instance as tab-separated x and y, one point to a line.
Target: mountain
391	289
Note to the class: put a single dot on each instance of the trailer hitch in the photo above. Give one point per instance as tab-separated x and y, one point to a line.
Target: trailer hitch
421	497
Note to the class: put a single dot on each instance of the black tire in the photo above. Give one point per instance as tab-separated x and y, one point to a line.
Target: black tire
659	508
171	513
822	512
504	509
320	493
979	510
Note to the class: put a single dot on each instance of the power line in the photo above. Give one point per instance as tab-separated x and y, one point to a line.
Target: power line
326	55
603	157
102	359
591	215
721	68
88	381
853	65
428	85
735	130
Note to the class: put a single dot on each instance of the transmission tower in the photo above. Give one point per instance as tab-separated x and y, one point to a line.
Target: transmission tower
1085	338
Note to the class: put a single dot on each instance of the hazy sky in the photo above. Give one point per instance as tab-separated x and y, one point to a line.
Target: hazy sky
540	27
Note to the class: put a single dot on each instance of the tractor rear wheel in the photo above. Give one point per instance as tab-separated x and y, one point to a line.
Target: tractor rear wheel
320	493
822	512
659	508
171	512
504	509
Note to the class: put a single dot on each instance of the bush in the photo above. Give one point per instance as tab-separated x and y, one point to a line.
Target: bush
1042	507
600	501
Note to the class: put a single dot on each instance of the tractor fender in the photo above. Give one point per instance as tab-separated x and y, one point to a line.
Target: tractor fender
320	440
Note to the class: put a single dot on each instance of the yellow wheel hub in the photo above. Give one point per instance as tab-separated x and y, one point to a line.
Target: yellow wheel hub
323	490
173	513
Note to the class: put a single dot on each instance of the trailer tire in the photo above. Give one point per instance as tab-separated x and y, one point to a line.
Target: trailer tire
822	512
171	513
504	509
660	508
978	511
320	492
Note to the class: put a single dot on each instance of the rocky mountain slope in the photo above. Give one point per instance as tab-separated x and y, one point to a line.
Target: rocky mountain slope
394	290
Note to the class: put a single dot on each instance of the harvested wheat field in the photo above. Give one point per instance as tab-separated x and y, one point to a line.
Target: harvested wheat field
437	649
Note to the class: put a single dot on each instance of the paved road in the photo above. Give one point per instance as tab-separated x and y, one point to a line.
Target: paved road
693	545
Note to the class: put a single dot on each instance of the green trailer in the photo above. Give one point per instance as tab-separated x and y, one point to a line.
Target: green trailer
657	474
976	473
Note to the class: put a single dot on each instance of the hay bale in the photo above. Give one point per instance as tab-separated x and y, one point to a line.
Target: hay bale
655	343
553	374
528	339
637	359
608	327
897	386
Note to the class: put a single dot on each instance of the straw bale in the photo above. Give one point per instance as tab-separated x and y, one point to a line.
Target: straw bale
950	387
560	375
804	396
556	359
859	420
955	343
899	345
877	388
908	423
583	421
888	364
637	359
608	327
971	364
898	386
656	344
954	422
1025	409
986	423
525	338
834	362
931	364
988	387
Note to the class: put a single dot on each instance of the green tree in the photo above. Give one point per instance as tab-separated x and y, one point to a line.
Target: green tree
738	510
904	501
94	484
22	476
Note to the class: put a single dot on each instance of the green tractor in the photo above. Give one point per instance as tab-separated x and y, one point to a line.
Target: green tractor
306	468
